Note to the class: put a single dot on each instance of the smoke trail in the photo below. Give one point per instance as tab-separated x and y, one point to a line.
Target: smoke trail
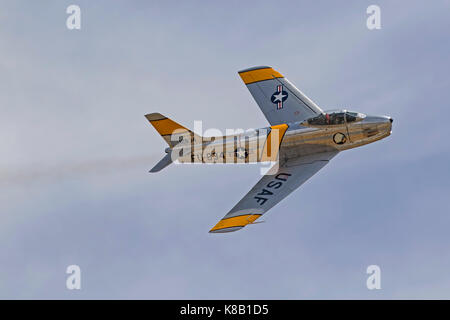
62	171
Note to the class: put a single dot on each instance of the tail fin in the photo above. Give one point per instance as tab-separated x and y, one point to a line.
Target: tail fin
169	130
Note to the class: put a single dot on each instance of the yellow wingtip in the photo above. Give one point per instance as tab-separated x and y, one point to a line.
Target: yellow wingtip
234	223
259	74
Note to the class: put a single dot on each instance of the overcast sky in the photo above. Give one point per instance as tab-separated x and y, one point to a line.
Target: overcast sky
76	149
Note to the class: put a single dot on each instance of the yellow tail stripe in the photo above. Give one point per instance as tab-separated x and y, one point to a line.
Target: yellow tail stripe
239	221
167	126
259	75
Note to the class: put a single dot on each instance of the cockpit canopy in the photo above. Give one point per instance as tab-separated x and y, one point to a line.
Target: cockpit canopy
334	117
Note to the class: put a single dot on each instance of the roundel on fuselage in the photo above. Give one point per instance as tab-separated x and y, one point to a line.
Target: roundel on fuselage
339	138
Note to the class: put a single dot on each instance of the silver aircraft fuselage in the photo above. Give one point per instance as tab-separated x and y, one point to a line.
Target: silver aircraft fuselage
322	138
292	140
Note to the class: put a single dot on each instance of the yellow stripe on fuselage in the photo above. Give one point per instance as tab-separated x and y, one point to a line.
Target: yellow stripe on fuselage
259	75
239	221
268	154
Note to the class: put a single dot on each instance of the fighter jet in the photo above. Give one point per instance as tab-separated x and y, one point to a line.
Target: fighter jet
300	140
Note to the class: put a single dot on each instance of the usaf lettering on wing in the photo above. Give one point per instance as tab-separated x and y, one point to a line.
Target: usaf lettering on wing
274	184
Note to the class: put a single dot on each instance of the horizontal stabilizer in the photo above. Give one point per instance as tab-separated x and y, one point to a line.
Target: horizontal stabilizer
164	162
